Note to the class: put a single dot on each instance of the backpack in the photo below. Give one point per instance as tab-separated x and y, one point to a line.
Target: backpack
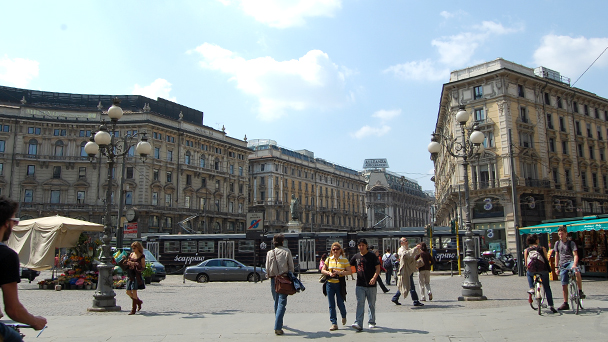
536	260
387	263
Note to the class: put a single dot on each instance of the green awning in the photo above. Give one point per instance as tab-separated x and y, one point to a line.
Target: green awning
545	228
586	225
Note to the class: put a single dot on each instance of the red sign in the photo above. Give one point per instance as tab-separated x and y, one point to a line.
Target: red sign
130	230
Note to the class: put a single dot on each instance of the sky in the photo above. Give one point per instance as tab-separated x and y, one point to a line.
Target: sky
346	79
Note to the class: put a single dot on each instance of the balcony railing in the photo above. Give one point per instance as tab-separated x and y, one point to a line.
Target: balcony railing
537	183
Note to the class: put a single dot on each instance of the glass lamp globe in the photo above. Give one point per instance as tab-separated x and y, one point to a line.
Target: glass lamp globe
477	137
462	116
103	138
143	148
434	147
115	113
91	148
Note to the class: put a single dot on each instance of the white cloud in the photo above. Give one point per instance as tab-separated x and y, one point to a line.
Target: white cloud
419	71
159	88
454	52
386	115
448	15
17	72
312	81
570	56
288	13
367	131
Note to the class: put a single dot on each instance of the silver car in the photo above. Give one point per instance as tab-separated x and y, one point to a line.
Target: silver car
223	270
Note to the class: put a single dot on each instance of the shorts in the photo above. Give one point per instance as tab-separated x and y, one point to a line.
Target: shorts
563	272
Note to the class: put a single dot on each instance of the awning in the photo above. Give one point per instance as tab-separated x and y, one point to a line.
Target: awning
545	228
586	225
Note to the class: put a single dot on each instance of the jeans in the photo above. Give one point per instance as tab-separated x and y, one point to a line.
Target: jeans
563	272
9	334
412	291
333	290
544	277
368	293
389	274
280	302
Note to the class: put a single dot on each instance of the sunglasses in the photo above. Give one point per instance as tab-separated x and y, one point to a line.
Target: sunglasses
14	219
335	249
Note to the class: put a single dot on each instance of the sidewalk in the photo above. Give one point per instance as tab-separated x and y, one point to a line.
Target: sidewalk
513	323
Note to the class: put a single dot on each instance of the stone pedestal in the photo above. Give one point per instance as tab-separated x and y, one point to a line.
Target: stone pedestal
294	227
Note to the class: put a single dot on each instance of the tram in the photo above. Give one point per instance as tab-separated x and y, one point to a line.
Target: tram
176	252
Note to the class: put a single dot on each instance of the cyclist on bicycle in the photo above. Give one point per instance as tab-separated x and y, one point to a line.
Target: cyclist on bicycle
538	262
9	276
566	256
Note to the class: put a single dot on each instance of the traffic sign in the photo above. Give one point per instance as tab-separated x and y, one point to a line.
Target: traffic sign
255	221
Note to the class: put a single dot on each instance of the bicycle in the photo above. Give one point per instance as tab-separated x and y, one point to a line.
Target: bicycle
575	299
540	298
17	326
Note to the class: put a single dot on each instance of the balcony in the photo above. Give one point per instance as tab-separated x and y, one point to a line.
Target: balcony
537	183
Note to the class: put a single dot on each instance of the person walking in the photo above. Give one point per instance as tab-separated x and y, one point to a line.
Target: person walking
136	263
537	261
566	257
368	271
424	272
336	267
396	267
384	289
388	262
407	267
322	262
278	262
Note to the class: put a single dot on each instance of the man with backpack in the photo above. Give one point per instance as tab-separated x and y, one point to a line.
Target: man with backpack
387	262
538	262
566	256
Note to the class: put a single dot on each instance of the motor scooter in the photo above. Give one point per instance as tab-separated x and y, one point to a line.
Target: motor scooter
503	263
483	265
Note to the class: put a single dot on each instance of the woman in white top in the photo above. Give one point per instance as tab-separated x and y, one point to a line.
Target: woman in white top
278	261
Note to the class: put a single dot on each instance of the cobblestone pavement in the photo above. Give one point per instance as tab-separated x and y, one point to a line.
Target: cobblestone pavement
173	296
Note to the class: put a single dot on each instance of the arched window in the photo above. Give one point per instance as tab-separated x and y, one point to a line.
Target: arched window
202	161
32	147
59	148
187	160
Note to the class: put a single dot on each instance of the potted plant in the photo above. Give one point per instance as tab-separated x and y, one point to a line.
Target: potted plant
147	273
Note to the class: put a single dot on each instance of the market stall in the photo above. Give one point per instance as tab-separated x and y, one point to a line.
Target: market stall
590	236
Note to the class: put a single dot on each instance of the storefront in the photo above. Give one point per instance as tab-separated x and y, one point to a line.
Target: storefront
489	219
590	235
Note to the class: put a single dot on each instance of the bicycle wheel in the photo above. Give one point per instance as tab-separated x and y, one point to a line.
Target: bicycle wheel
574	298
539	294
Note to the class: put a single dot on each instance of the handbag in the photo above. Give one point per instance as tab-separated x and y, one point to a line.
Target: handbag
419	262
141	285
282	284
323	278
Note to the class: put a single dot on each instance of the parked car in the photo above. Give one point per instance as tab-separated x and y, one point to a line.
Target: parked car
159	269
28	274
223	270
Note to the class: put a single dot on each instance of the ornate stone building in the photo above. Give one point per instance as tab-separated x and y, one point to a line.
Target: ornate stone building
394	201
332	196
558	141
194	172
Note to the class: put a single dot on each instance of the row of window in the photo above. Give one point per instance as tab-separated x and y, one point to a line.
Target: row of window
568	179
244	246
322	178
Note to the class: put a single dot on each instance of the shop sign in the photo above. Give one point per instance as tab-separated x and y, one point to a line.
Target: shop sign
380	163
446	254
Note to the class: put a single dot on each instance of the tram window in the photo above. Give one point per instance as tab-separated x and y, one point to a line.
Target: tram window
246	246
206	247
171	246
372	243
188	246
329	242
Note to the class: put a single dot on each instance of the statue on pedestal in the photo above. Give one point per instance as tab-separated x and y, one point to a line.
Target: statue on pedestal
295	208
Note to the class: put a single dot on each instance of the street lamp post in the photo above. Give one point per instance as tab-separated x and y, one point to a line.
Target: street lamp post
471	287
103	142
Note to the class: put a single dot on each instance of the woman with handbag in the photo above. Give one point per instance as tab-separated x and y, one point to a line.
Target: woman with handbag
424	261
136	262
278	262
335	268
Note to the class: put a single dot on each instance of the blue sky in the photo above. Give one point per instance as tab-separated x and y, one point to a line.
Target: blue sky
346	79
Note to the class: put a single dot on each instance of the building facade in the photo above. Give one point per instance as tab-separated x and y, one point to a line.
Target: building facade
394	201
332	196
558	135
195	173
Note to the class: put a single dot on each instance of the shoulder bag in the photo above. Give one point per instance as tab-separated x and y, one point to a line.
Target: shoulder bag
282	283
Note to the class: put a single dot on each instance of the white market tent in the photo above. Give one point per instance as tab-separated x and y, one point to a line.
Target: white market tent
35	240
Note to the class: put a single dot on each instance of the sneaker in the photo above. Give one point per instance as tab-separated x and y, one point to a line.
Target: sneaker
581	294
553	310
278	332
564	306
372	326
333	327
356	327
344	321
396	302
418	304
423	299
531	291
430	296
